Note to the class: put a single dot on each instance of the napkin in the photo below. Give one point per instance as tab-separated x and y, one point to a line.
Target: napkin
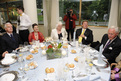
100	60
7	77
8	59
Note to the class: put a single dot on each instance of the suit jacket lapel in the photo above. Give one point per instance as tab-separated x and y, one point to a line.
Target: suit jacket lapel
80	32
111	44
9	38
86	32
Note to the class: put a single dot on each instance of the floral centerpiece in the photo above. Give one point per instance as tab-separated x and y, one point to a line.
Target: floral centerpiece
53	50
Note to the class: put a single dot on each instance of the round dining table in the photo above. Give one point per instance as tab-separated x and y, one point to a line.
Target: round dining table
59	74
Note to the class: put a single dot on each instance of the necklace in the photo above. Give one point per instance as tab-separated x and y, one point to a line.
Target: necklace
36	36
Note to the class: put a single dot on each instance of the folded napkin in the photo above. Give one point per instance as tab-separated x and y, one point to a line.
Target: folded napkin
8	59
7	77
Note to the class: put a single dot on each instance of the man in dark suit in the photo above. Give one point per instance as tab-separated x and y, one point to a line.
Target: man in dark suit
10	40
111	44
84	34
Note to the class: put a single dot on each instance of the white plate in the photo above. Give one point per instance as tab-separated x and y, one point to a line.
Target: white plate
9	76
32	67
75	50
72	68
95	62
32	50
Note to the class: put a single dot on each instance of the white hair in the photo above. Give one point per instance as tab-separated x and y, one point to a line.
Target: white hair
59	23
114	27
6	24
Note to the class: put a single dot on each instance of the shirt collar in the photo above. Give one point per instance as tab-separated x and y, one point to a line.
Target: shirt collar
9	34
22	14
112	39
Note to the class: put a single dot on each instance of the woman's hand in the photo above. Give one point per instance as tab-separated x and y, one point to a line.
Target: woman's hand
112	76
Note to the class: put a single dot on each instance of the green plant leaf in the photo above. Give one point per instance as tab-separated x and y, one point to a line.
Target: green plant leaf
59	45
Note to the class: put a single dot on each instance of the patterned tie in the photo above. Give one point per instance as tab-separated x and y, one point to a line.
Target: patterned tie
80	38
107	44
12	37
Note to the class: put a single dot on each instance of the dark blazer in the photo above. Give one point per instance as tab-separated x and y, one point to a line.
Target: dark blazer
112	50
1	48
8	44
87	33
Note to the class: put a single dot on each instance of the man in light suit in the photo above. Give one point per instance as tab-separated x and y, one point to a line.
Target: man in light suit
111	44
84	34
10	41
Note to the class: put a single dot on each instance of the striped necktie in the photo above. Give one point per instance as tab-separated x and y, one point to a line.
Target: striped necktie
107	44
80	38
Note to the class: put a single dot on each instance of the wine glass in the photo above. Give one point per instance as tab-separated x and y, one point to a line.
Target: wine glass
89	68
25	44
20	47
20	60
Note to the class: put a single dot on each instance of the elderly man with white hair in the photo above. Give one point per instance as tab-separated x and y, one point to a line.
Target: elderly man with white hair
10	40
59	32
111	44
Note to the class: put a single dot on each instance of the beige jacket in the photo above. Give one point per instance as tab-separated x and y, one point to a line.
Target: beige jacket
54	34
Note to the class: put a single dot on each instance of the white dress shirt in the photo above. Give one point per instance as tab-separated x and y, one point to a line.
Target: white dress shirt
25	22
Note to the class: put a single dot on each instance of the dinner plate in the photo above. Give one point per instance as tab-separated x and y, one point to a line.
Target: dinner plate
34	51
9	76
31	66
72	68
73	53
95	62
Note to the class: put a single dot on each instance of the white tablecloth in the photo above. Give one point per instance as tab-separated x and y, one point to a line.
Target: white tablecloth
38	74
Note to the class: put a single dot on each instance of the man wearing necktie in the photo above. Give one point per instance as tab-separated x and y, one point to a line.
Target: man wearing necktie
111	43
84	35
10	41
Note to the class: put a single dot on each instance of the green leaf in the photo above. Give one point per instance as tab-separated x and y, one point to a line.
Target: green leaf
59	45
50	50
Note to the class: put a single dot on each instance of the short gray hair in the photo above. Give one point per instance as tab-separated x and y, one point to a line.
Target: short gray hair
6	24
114	27
59	23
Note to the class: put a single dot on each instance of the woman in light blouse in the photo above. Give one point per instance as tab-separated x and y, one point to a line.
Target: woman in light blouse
59	32
35	35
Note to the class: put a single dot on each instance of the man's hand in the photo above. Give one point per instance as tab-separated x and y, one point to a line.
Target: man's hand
3	55
82	36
